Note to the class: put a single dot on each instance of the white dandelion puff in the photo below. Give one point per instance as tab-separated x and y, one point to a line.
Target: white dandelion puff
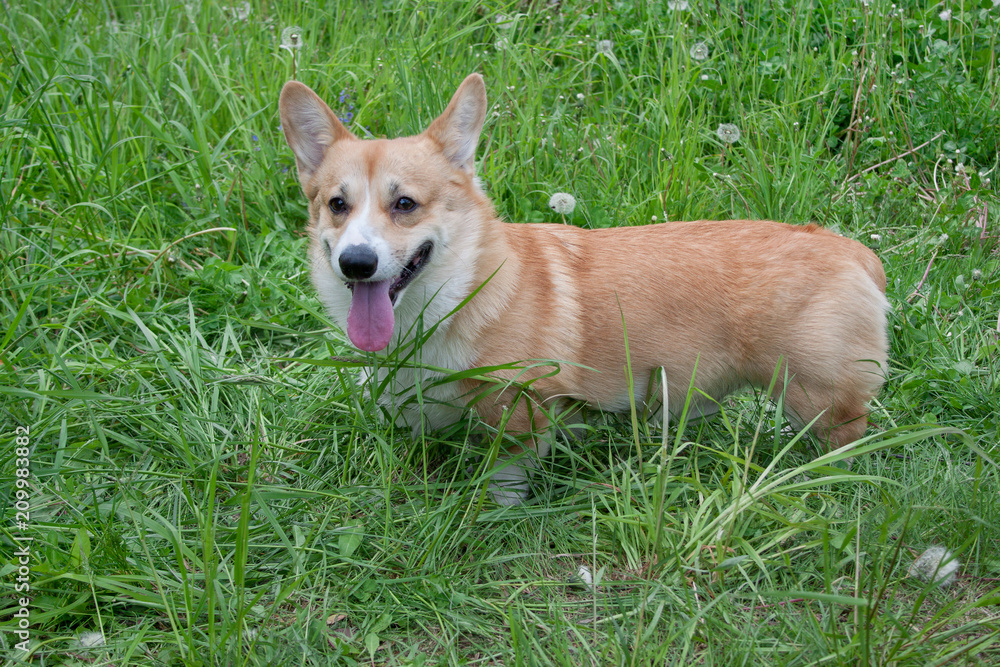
699	51
291	38
945	15
678	5
606	47
936	565
562	203
728	133
89	640
241	11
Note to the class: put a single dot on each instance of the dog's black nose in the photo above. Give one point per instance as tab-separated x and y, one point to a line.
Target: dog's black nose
358	262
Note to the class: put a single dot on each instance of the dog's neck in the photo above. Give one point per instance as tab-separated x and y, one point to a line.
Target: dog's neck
498	269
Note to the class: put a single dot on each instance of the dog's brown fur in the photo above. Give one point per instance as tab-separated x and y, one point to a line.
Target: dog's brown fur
737	297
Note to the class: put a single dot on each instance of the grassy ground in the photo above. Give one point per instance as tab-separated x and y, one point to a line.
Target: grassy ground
209	486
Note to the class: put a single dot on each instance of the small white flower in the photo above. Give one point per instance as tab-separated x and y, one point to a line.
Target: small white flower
976	273
945	15
678	5
291	38
699	51
937	565
580	96
728	133
876	237
606	47
562	203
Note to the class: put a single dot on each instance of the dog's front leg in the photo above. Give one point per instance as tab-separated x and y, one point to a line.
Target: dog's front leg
515	413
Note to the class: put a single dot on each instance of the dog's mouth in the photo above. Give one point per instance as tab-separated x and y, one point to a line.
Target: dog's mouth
410	271
370	321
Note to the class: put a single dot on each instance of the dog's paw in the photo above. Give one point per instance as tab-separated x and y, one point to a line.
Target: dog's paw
509	484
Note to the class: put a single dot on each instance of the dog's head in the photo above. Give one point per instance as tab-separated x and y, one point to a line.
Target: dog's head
386	216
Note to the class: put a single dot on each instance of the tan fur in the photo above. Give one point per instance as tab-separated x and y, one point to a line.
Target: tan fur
738	298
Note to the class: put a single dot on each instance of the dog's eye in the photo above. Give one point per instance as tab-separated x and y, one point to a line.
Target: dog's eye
405	204
338	205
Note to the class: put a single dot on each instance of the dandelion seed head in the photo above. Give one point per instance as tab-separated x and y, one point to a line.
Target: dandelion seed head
562	203
291	38
945	15
728	133
89	640
240	11
699	51
678	5
504	22
605	47
936	565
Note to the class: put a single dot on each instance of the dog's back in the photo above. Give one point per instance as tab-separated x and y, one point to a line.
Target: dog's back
734	298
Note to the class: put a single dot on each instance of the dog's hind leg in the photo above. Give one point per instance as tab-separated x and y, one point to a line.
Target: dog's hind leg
841	408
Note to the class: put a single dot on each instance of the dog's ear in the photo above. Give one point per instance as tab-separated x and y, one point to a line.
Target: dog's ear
457	129
310	127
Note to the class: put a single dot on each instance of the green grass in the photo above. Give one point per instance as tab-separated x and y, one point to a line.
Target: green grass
210	486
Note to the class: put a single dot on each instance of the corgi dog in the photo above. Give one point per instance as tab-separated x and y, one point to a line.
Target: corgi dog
401	234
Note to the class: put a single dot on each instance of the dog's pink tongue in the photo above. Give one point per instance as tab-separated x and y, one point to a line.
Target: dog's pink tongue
370	319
